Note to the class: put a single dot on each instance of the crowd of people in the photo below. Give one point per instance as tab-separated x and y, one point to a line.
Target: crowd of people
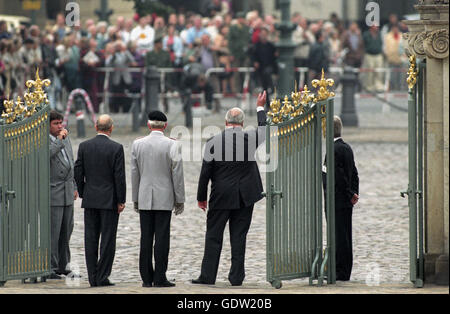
71	56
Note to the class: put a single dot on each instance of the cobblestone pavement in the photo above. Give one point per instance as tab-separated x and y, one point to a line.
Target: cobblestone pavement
380	227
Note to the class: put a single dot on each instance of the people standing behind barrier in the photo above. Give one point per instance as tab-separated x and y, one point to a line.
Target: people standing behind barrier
136	77
63	192
31	56
303	38
120	81
69	60
91	59
174	45
160	58
101	183
346	196
229	163
319	57
353	48
224	58
160	27
392	51
196	31
101	34
353	44
158	189
373	58
49	56
144	35
238	44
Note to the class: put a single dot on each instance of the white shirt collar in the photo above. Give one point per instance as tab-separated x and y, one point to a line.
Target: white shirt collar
337	138
103	134
159	132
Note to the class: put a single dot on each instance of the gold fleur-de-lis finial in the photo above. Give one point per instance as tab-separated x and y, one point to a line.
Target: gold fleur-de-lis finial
287	107
323	93
20	109
306	97
412	72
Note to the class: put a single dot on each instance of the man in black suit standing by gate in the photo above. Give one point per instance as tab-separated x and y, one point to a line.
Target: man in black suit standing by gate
100	178
346	196
229	162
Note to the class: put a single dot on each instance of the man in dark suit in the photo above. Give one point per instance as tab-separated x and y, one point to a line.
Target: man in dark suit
229	162
346	196
100	178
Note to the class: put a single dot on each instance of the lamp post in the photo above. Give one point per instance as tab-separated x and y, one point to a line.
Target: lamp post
104	13
286	49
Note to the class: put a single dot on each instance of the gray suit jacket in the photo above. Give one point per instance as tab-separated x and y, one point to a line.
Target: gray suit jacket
62	183
157	172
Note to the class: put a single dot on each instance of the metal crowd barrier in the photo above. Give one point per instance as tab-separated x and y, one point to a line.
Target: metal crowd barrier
246	94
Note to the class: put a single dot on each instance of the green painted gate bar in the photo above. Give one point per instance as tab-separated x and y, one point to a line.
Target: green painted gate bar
25	190
416	78
294	225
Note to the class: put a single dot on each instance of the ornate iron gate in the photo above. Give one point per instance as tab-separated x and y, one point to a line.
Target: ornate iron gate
25	187
416	78
294	187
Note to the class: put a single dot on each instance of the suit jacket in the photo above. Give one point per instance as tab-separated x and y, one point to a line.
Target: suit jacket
62	183
157	172
230	165
346	175
120	60
100	173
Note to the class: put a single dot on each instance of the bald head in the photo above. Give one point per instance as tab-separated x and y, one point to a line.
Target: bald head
235	116
104	124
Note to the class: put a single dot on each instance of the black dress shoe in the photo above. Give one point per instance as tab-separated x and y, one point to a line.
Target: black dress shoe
54	276
63	272
147	285
236	284
199	281
105	283
165	284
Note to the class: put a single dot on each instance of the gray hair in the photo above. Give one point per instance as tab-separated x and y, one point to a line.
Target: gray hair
156	124
235	116
337	126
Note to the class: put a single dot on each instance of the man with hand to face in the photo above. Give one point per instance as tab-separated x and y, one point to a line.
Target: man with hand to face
62	195
100	177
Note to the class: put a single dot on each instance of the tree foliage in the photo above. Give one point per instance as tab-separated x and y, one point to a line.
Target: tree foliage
145	7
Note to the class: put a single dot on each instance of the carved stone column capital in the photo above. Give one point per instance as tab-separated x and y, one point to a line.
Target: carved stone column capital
415	44
435	43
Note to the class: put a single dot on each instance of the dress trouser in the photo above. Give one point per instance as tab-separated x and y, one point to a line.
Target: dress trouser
239	224
344	250
100	222
61	230
155	226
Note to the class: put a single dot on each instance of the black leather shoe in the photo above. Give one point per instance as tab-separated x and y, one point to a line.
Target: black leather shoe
165	284
63	272
54	276
198	281
147	285
105	283
236	284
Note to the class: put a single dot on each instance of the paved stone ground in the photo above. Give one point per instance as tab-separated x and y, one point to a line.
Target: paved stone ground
380	224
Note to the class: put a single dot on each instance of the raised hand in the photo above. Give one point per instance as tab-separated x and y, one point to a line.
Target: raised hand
261	101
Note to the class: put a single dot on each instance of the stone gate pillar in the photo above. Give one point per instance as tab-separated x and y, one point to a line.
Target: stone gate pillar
428	38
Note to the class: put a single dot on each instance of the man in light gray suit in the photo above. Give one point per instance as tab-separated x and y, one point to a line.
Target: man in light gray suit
63	193
157	189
